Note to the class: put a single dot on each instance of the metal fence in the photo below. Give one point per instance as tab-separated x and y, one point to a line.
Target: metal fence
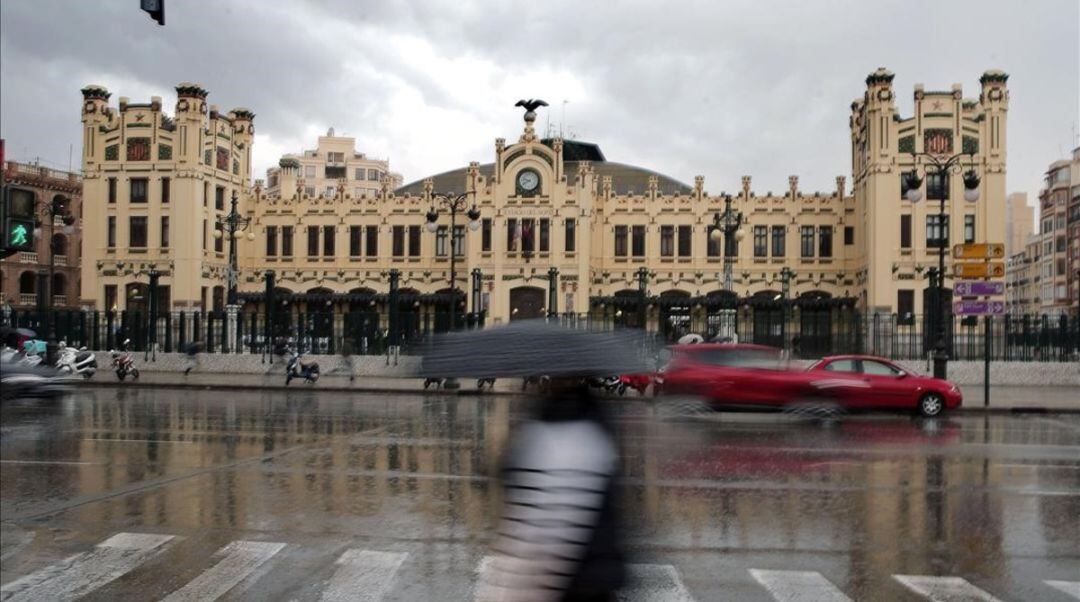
805	334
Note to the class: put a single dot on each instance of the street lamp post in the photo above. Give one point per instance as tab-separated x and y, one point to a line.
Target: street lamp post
57	207
231	225
453	205
727	225
785	291
941	166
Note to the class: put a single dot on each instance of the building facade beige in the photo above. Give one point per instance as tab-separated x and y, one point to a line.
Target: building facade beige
1019	222
562	229
332	165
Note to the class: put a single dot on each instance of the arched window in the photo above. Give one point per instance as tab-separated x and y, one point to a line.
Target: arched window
59	285
27	286
59	244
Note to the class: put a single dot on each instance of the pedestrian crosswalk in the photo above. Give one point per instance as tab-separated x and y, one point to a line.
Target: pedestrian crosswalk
368	575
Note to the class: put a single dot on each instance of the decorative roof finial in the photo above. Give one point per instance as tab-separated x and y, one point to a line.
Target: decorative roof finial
530	107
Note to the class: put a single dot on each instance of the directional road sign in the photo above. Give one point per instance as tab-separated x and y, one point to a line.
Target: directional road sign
979	288
978	308
979	250
993	269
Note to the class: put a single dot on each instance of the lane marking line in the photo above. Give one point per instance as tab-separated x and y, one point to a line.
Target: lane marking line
239	560
78	575
944	589
798	586
1069	588
654	583
363	575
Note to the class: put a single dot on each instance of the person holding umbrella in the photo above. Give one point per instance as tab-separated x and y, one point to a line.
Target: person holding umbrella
558	534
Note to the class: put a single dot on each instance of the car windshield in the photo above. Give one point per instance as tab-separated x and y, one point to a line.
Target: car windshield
739	358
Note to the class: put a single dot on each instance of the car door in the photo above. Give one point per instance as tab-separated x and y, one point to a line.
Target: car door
843	381
887	385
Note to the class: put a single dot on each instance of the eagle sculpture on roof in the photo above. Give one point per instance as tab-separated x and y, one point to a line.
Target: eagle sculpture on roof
530	107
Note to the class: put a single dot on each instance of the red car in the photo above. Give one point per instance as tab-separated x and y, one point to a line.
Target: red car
886	385
758	376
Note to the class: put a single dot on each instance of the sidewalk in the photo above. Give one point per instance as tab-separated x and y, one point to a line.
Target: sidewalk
1003	398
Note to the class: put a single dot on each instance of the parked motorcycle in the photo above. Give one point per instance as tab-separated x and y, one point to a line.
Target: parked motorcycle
296	368
76	361
608	384
124	363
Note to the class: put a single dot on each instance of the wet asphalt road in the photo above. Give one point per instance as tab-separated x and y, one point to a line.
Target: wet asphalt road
142	494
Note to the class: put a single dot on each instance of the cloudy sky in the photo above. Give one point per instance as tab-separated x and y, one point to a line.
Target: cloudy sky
714	88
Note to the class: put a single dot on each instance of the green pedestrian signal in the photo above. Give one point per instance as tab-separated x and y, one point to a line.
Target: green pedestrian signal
20	235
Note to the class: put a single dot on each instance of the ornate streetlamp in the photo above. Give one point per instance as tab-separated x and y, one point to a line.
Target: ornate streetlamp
453	205
941	166
231	225
58	207
727	225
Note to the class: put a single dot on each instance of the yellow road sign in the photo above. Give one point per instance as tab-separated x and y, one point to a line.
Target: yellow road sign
979	250
992	269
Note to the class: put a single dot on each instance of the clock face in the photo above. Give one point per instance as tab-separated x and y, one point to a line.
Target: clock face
528	180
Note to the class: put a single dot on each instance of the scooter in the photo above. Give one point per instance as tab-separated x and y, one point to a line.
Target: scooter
76	361
124	363
296	368
609	384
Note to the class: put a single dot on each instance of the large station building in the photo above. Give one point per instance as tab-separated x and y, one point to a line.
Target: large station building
562	229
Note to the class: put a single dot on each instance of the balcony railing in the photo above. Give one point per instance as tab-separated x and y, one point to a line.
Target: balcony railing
27	299
28	257
59	300
60	260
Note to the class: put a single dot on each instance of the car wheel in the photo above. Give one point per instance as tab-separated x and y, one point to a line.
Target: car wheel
135	375
931	404
120	375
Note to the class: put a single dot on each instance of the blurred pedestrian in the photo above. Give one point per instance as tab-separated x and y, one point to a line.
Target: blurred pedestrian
348	349
192	354
558	537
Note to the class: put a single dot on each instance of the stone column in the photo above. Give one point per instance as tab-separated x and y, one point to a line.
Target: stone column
231	315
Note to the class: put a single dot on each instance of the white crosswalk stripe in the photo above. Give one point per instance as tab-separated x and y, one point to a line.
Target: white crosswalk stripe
654	583
798	586
83	573
1071	588
944	589
239	560
363	575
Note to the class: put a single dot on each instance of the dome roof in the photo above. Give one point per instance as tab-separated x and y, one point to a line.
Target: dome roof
625	179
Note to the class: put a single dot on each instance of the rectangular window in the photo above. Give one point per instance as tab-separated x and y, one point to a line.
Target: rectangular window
905	305
969	228
528	235
414	241
219	244
825	241
512	234
459	241
373	174
806	247
206	194
905	231
110	297
903	186
485	235
354	241
620	241
110	235
397	241
638	241
849	235
219	198
359	175
545	235
761	235
936	235
778	243
330	192
309	191
166	190
309	171
271	241
685	233
164	232
312	241
205	231
137	232
570	244
335	157
667	241
328	241
937	186
371	241
286	241
112	190
138	190
712	245
440	242
335	173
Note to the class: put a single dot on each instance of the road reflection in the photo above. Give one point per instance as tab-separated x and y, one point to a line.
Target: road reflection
884	494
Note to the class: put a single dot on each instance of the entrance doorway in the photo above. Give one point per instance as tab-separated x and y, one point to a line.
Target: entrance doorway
526	303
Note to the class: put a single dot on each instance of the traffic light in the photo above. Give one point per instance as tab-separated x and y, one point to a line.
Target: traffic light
156	8
19	204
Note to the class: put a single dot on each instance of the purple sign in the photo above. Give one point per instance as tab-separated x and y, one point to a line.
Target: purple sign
978	288
978	308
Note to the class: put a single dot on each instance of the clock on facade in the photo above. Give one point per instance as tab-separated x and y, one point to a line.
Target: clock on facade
528	182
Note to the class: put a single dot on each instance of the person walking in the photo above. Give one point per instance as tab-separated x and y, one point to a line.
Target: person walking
192	354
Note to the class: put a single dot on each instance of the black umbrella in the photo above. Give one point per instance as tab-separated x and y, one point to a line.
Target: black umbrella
536	347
